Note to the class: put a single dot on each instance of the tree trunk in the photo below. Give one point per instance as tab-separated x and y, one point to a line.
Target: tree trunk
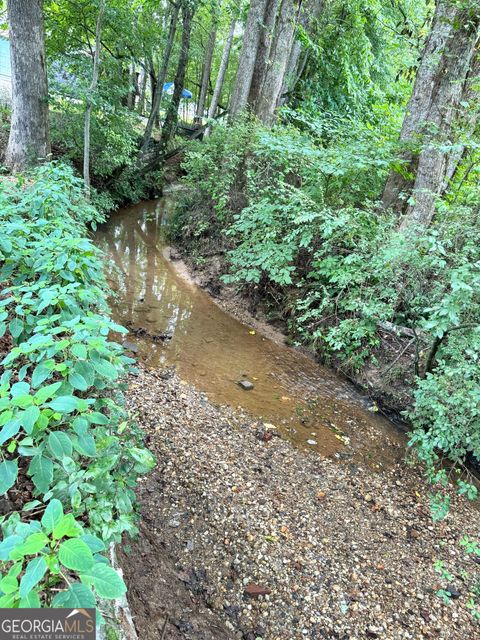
277	65
28	140
308	14
132	87
171	119
142	88
206	72
445	108
248	55
436	94
470	96
93	87
263	52
221	73
162	74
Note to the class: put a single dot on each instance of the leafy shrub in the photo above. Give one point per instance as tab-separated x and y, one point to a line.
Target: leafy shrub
62	421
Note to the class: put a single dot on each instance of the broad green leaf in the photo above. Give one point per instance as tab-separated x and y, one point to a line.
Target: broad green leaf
35	571
52	516
8	475
108	584
64	404
105	368
8	584
60	444
67	527
77	596
16	327
29	417
47	392
32	545
8	544
79	351
41	470
9	430
31	601
93	542
78	381
75	554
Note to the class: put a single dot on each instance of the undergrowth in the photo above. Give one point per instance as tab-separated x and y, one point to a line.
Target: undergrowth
70	453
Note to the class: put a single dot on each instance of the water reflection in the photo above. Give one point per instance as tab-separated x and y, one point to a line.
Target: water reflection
306	402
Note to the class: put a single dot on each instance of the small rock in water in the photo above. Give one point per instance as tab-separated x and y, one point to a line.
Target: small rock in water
254	590
246	385
312	442
130	346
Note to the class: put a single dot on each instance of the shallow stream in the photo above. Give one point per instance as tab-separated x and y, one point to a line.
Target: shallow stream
292	395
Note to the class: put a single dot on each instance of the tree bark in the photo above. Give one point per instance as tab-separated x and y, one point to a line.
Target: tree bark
28	140
277	64
93	87
468	124
162	74
207	66
221	73
142	88
432	106
443	112
309	12
263	52
248	55
133	87
171	119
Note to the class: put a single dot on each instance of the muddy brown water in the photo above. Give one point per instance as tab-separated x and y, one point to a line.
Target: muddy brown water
292	394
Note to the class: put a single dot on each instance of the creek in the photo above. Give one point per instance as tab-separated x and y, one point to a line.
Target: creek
174	323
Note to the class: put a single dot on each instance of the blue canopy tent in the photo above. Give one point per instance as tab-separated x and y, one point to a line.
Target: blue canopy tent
168	89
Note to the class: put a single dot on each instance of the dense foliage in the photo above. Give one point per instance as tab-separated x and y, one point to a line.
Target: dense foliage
303	229
68	445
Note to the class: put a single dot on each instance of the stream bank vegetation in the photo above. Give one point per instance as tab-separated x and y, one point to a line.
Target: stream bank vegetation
334	167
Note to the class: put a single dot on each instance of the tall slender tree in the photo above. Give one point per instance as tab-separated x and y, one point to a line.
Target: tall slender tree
276	67
28	140
168	129
157	87
92	89
431	113
248	56
207	67
222	71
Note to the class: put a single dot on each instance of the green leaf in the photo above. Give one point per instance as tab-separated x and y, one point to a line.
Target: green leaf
41	470
52	516
7	545
108	584
105	368
31	601
8	475
46	392
60	444
16	327
8	601
78	381
75	554
8	584
79	351
32	545
94	543
9	430
68	527
35	571
29	417
77	596
41	372
64	404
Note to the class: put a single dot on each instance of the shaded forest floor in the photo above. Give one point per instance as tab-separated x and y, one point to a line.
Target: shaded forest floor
246	537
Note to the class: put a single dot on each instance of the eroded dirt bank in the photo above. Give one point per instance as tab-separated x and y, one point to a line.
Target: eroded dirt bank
338	550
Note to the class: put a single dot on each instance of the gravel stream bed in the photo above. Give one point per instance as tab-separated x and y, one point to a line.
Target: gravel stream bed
244	536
